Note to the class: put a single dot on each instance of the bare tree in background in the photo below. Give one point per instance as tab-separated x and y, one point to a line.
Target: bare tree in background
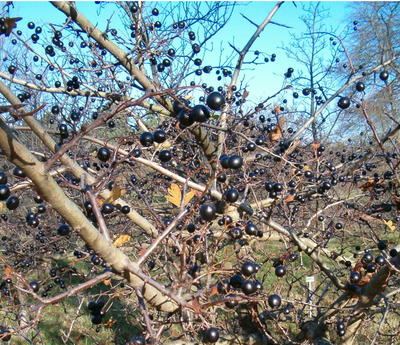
315	50
375	38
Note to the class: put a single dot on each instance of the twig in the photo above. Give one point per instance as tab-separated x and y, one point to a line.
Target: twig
99	217
310	252
145	313
9	108
385	314
66	336
242	54
246	48
248	19
71	292
280	24
103	119
133	268
166	232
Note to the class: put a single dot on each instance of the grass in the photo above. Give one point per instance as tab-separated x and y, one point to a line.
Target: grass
56	320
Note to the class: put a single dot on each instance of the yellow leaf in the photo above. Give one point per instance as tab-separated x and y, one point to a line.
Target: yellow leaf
188	196
175	195
121	240
390	225
99	202
107	282
165	145
116	193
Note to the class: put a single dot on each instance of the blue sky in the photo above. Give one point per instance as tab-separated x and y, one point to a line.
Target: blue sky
267	78
263	79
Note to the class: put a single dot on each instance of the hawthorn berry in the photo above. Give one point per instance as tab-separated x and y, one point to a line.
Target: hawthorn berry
215	100
274	301
231	195
344	102
63	230
104	154
4	192
384	75
211	335
207	212
146	139
164	156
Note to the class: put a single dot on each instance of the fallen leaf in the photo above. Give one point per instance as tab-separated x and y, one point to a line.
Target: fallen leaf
358	267
390	225
289	198
214	290
107	282
368	218
175	195
116	193
369	185
165	145
141	252
109	323
121	240
8	272
188	196
175	332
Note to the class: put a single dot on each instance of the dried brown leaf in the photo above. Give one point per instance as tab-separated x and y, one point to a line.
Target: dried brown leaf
214	290
289	198
276	134
10	24
315	145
